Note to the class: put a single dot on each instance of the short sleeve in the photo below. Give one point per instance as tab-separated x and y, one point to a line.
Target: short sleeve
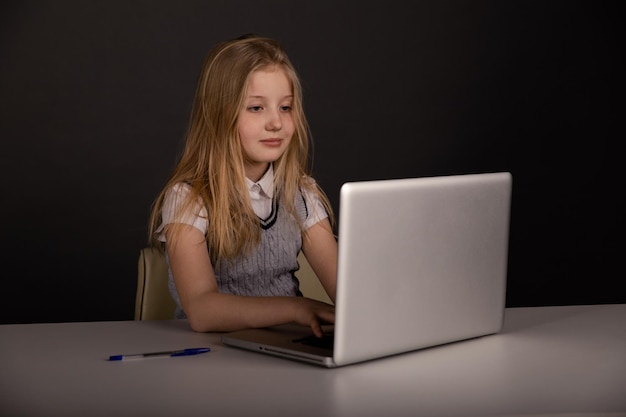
315	209
195	215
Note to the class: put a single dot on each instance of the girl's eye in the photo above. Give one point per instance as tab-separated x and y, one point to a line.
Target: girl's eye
285	108
255	108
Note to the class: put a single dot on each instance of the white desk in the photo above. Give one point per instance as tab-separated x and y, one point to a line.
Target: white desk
547	360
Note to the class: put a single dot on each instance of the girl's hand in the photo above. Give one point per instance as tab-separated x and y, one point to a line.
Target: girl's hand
313	313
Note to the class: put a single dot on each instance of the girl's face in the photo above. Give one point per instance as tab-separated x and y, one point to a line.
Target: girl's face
265	122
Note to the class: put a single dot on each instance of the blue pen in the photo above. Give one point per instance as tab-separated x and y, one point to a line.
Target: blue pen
172	353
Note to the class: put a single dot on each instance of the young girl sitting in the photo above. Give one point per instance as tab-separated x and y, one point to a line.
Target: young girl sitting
241	203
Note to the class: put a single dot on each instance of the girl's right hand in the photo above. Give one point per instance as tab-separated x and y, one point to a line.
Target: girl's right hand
314	313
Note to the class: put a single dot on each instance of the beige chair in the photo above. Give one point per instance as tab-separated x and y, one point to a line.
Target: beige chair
310	285
153	300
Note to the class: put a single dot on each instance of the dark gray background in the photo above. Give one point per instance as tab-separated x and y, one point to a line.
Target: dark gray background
95	97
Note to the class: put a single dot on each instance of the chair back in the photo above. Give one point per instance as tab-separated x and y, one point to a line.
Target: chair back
310	285
153	300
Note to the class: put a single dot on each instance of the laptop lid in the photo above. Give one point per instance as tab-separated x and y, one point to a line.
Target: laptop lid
422	262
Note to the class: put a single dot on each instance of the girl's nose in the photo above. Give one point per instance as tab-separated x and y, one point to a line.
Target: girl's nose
274	121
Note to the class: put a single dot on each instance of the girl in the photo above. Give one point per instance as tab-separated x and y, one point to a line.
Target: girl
241	204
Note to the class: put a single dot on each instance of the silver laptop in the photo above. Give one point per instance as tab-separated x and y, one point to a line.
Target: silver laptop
422	262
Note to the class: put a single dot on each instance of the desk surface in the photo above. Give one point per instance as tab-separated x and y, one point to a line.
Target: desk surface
547	360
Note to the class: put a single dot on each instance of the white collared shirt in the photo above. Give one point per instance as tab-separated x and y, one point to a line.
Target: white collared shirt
261	194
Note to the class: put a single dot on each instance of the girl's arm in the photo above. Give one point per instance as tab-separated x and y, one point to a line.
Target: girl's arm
209	310
320	248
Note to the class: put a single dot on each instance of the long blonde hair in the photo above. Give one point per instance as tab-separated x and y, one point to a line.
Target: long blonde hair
212	161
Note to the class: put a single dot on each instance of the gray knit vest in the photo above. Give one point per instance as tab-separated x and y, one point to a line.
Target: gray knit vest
267	270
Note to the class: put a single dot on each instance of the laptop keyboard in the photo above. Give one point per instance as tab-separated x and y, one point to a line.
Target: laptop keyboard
327	341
